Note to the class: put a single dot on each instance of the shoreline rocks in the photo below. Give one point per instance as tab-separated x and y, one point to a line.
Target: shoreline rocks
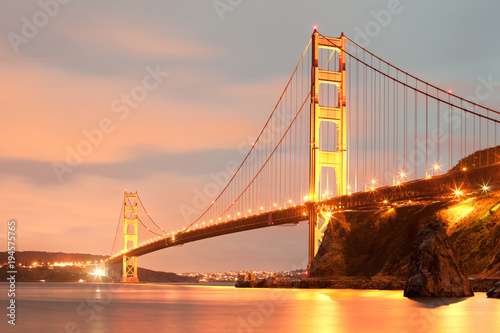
494	292
346	282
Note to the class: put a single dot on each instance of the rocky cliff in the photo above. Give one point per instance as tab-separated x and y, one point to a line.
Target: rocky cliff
379	243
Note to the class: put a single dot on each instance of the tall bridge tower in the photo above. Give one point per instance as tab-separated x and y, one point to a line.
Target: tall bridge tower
130	220
319	157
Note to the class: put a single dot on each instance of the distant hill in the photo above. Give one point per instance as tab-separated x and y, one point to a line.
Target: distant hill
28	257
74	273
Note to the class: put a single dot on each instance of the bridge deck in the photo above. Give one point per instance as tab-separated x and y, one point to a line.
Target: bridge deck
441	187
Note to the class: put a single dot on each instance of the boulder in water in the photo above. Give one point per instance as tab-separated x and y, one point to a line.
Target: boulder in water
495	291
434	271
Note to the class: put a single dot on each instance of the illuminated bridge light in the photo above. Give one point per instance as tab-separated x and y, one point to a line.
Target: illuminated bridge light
261	208
464	169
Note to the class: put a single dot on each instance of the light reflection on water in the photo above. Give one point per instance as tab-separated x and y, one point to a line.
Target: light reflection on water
68	307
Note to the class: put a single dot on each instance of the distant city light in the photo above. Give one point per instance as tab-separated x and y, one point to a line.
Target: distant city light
98	272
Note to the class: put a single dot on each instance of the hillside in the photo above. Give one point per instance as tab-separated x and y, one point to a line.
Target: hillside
378	243
50	273
479	158
28	257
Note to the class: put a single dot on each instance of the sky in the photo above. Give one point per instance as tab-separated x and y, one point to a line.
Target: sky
158	96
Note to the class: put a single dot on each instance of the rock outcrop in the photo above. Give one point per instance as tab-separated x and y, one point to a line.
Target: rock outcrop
495	291
378	243
434	271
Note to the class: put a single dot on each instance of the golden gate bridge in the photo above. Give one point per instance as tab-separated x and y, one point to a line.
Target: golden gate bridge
350	131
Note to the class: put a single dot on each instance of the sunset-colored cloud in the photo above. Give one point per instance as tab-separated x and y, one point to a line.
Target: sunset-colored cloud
117	35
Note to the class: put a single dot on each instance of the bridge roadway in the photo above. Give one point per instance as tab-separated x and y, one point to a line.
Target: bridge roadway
440	187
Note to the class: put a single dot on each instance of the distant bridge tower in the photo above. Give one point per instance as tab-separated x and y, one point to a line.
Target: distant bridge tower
337	114
129	236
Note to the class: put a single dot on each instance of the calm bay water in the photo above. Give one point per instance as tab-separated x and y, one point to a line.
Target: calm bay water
82	307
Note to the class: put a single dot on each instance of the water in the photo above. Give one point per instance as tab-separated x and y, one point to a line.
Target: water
82	307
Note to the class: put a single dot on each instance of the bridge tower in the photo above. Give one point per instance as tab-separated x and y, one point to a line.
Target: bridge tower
320	158
130	220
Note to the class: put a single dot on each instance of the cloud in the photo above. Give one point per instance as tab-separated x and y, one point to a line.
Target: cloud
45	112
119	36
142	164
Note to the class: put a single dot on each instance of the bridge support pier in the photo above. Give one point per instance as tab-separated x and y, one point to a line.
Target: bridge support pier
318	221
336	114
129	273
